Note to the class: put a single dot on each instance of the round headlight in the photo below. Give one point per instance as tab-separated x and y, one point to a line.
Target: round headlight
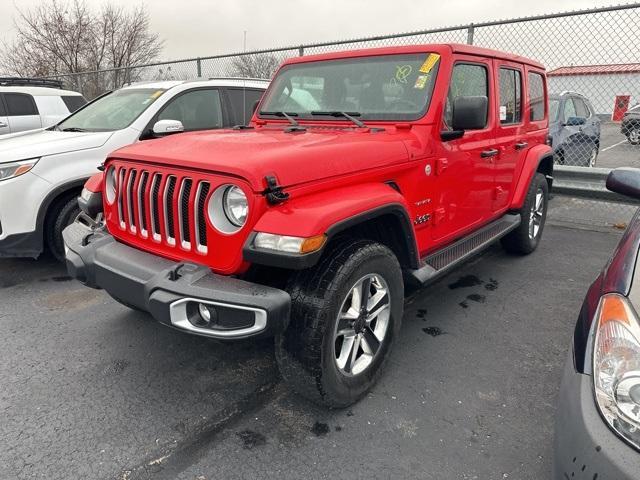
228	208
110	185
235	205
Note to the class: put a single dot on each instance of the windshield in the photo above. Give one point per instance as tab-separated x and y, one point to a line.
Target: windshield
554	105
384	87
114	111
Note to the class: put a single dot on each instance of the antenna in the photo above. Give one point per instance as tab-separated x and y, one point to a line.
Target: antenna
244	85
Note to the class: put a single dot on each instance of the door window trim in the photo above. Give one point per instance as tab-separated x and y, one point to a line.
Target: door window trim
147	132
522	97
490	113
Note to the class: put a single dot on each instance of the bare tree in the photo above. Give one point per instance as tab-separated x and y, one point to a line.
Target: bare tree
255	66
65	36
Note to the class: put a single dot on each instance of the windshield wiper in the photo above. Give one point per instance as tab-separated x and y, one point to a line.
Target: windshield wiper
74	129
289	116
347	115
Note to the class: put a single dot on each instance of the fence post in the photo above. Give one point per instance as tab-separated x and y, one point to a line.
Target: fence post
470	32
301	51
199	67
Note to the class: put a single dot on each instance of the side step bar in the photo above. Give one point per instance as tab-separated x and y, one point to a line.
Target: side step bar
440	262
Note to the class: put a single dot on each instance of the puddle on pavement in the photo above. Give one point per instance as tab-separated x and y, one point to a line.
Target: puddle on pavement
465	281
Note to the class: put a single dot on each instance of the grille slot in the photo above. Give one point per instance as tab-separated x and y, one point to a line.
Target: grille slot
199	216
168	208
183	212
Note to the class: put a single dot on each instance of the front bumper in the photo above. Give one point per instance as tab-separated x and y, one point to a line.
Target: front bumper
585	447
171	291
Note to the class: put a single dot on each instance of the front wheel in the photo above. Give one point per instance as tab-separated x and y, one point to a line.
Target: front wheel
345	316
60	217
524	239
633	135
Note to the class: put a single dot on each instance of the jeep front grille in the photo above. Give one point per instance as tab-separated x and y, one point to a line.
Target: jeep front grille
170	209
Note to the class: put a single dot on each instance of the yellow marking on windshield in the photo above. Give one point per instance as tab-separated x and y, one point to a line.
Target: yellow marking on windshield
430	62
403	72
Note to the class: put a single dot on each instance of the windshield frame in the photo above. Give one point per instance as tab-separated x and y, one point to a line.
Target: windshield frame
57	126
364	116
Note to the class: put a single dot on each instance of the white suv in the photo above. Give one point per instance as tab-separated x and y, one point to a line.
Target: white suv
27	104
42	172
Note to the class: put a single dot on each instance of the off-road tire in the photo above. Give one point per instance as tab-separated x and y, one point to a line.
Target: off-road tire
59	217
305	351
519	241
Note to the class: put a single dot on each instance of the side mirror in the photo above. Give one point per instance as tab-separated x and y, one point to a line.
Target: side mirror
575	121
167	127
470	113
625	181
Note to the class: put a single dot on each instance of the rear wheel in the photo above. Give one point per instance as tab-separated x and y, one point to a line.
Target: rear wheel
345	316
533	214
633	135
61	215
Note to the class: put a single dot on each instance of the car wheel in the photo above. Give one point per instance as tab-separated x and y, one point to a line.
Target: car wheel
345	316
633	135
60	217
524	239
593	156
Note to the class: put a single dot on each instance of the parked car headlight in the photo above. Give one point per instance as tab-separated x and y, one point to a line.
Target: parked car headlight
110	185
15	169
228	208
235	205
616	366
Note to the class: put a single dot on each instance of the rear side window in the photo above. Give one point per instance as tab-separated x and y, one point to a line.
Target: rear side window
510	96
73	102
242	102
19	104
467	79
536	96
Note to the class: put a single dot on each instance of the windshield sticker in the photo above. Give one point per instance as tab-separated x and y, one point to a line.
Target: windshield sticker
503	113
421	82
430	62
403	72
157	94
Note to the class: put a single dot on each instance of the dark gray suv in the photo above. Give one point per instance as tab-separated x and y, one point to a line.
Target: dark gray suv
574	130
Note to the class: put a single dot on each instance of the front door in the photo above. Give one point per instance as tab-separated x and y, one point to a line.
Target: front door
22	112
464	166
510	132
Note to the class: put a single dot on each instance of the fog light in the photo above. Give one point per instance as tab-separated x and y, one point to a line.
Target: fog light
206	316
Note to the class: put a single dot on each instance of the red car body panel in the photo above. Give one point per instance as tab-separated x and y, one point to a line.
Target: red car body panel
334	171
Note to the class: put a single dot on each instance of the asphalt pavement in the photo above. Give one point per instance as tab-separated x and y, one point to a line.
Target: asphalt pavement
93	390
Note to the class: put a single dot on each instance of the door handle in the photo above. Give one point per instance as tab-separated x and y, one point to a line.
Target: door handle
521	145
3	125
489	153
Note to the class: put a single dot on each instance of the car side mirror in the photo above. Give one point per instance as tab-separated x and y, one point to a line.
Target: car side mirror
575	121
469	113
625	181
167	127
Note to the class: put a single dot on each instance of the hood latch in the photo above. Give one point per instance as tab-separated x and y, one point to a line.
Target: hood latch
274	192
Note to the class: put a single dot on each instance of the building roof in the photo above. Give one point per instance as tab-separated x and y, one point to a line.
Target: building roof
595	70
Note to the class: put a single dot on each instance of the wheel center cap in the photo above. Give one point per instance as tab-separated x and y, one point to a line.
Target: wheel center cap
360	323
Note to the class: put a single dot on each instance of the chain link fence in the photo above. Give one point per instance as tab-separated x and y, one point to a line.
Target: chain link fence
592	59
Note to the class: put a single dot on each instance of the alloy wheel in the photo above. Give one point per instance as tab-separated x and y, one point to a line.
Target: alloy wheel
537	211
362	325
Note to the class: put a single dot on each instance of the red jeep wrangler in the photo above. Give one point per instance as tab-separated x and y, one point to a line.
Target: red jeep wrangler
360	171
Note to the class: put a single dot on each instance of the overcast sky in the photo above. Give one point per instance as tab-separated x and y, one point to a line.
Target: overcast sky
194	28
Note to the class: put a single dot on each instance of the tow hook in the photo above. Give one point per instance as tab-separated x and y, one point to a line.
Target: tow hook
274	192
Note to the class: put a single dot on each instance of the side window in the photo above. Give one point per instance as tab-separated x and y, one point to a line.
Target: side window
3	112
536	96
510	96
581	108
569	109
242	101
197	110
19	104
466	80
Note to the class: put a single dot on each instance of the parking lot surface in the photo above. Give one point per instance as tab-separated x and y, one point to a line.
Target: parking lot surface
615	150
93	390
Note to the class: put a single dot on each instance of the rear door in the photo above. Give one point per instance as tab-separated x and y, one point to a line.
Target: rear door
22	112
4	120
510	132
464	167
